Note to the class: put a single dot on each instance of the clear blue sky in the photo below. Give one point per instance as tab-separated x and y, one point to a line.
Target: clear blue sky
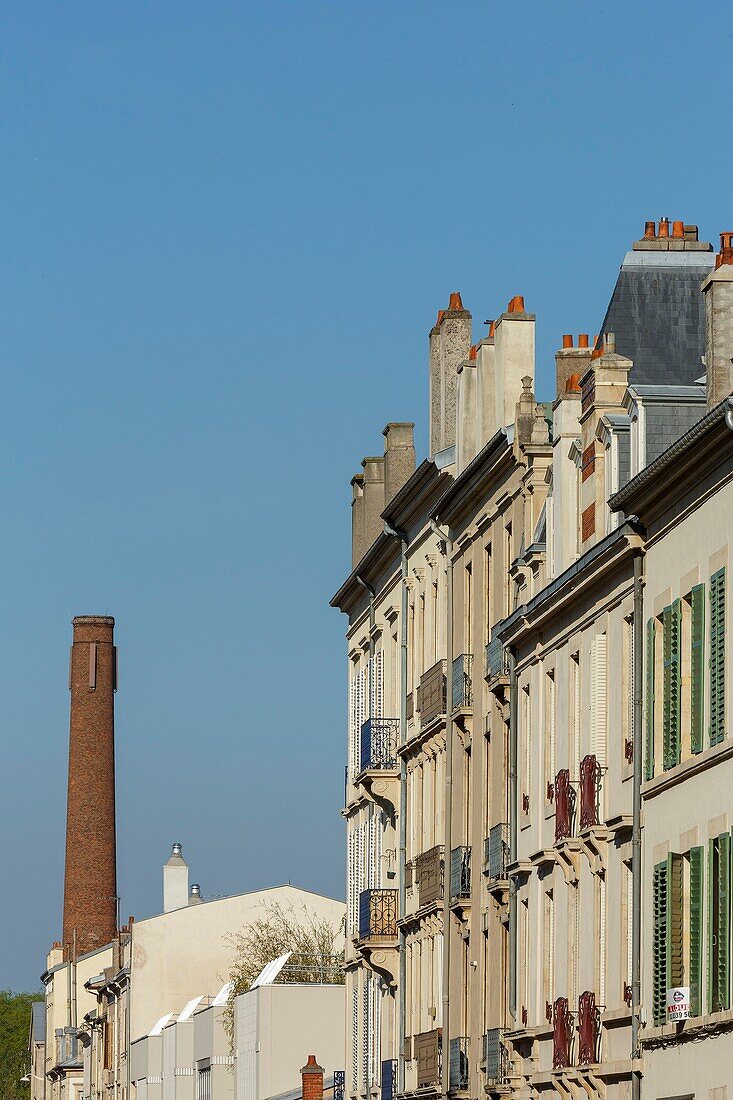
225	231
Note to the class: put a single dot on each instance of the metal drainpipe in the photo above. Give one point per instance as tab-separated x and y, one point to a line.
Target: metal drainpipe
512	834
636	820
445	536
402	856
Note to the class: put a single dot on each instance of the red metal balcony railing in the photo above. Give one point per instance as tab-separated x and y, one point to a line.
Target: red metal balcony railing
589	1029
562	1026
564	805
590	786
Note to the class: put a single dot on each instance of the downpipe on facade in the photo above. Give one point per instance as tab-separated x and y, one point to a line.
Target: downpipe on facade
447	551
402	855
636	866
513	710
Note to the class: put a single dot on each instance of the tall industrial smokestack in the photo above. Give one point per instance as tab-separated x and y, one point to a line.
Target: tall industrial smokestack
90	883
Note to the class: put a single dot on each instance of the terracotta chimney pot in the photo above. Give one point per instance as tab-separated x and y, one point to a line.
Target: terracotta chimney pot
678	229
573	384
473	351
650	229
492	328
516	305
583	340
455	302
567	341
664	227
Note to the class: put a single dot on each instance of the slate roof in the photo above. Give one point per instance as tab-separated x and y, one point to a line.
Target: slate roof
657	313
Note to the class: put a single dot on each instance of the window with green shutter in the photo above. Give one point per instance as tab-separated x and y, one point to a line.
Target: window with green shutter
697	667
719	923
675	902
671	631
650	655
659	946
695	926
717	657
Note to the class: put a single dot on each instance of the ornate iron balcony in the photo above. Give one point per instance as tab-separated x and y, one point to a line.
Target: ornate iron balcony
496	851
590	787
460	873
562	1029
564	805
378	914
494	1056
379	740
589	1029
459	1063
462	685
495	660
389	1079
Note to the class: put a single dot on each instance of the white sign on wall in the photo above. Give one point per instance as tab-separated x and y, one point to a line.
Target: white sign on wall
678	1004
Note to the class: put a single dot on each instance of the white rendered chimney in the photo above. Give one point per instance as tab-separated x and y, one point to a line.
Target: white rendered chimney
175	881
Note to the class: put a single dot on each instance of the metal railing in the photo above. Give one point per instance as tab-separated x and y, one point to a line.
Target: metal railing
589	1029
429	872
312	970
495	660
459	1065
379	740
564	805
496	851
462	683
339	1084
562	1033
590	789
378	914
460	873
494	1056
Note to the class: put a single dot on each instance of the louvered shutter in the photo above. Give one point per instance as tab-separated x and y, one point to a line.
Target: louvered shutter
598	699
696	873
697	667
354	1038
675	961
353	728
671	619
352	894
711	924
377	710
366	1051
723	922
659	946
717	657
649	754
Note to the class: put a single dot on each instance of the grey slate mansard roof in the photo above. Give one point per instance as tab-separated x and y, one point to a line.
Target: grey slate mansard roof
657	314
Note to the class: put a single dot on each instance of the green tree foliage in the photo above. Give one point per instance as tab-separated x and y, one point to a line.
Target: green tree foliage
15	1023
315	944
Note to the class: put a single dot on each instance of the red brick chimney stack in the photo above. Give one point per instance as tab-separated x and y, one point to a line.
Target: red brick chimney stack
312	1075
90	883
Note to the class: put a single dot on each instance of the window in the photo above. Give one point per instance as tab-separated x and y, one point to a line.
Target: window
508	559
628	688
468	609
719	923
526	750
549	947
574	724
627	903
717	657
203	1091
487	591
573	932
677	911
600	939
550	713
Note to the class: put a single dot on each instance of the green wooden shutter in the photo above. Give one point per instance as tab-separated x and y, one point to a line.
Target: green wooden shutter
717	657
697	667
675	959
671	630
711	937
697	859
659	947
649	755
723	932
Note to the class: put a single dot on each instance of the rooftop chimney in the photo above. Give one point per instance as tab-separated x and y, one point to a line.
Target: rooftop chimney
399	458
374	501
718	291
569	361
194	897
90	882
514	359
358	546
450	341
312	1077
175	881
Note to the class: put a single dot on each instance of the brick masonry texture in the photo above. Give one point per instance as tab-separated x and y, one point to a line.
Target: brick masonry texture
588	522
90	884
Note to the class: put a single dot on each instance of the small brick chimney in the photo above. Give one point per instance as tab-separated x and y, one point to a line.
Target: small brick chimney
90	883
450	342
312	1077
718	291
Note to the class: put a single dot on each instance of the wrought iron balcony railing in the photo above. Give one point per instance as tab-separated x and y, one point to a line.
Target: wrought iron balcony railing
495	660
429	872
460	873
564	805
562	1033
431	694
496	851
590	790
459	1052
589	1029
378	914
462	683
379	741
428	1053
494	1056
